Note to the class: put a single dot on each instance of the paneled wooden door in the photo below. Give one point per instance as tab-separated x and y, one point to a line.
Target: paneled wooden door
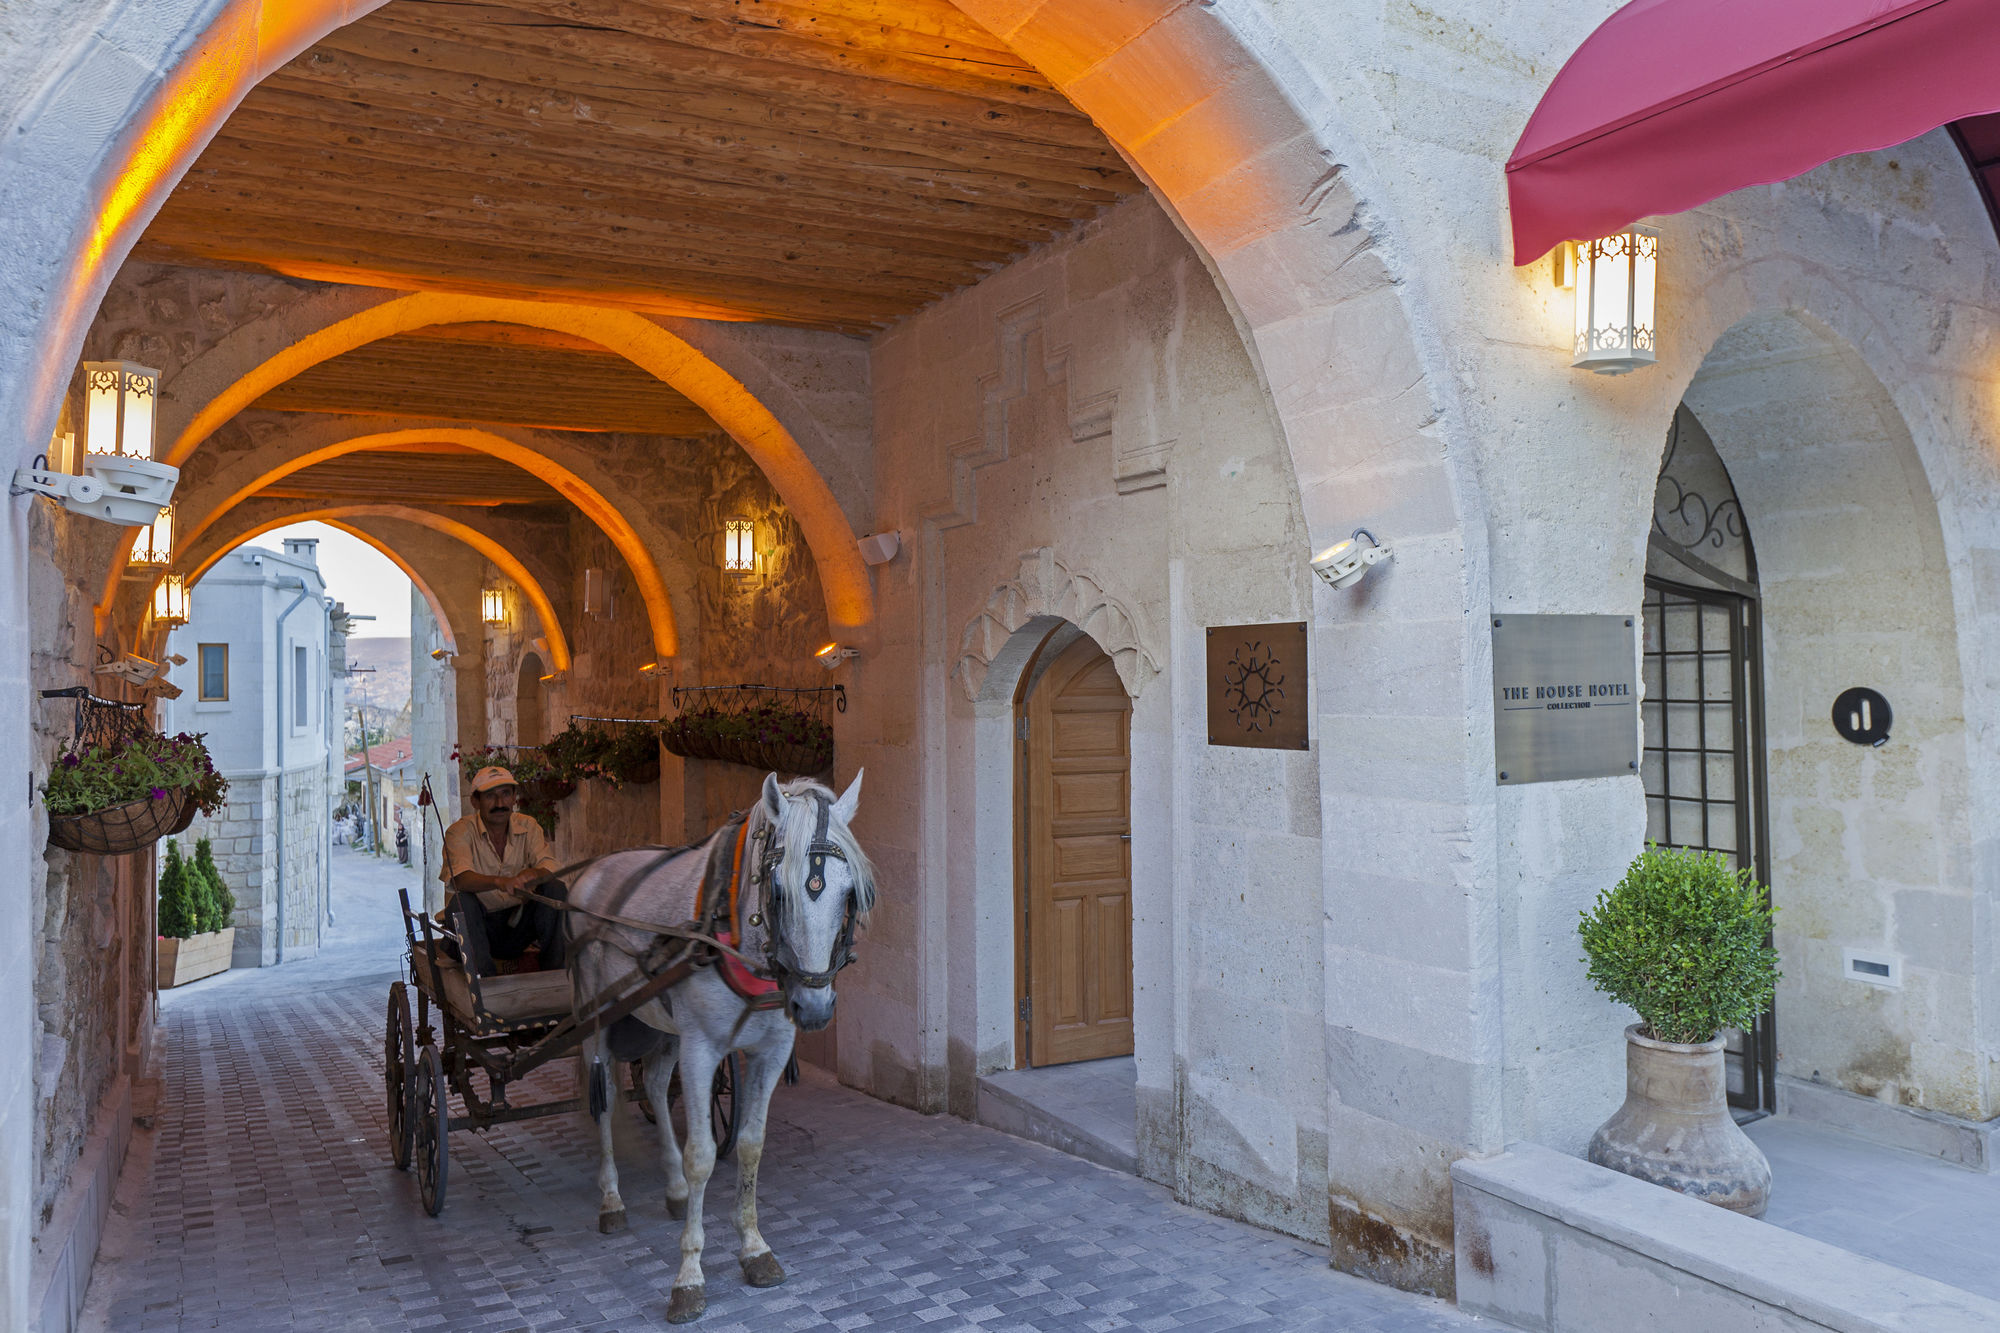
1076	969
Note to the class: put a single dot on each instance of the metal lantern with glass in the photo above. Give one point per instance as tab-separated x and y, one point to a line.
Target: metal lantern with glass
121	483
170	600
739	546
1616	317
493	606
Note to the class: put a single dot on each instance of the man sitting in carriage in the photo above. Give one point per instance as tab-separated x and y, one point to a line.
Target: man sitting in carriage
493	858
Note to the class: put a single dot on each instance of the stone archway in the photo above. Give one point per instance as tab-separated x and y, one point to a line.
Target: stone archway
507	562
1251	156
244	480
1855	589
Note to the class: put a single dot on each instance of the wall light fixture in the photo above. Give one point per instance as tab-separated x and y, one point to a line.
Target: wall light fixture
1617	316
1343	563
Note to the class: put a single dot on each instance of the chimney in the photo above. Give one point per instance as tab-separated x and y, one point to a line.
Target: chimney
303	548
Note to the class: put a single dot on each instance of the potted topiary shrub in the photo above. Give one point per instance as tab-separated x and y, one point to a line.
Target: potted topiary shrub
221	914
195	940
1685	941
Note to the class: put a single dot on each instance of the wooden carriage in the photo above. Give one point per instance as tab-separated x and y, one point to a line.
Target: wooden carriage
502	1026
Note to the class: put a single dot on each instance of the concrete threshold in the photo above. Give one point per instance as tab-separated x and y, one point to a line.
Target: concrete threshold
1553	1244
1086	1110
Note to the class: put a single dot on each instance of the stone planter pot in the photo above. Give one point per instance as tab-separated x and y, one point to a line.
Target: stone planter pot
1675	1128
195	957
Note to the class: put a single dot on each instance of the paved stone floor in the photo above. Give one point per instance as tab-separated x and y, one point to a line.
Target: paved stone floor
1914	1212
263	1200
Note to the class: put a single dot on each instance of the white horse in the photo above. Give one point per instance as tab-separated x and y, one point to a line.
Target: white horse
803	886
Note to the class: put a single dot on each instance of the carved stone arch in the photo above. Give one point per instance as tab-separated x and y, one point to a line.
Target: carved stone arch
1045	587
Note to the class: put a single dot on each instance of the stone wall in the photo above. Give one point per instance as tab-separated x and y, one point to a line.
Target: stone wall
93	915
1082	436
243	838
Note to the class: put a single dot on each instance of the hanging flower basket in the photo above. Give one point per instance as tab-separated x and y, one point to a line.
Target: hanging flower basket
735	725
120	828
123	789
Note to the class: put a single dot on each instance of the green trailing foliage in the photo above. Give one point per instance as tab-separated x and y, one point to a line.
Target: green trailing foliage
146	766
220	913
1685	941
180	895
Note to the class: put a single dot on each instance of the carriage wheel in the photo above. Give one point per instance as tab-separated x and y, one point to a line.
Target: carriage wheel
399	1068
432	1116
721	1103
637	1071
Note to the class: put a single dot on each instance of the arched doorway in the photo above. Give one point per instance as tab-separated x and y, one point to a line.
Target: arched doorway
1704	759
530	726
1073	952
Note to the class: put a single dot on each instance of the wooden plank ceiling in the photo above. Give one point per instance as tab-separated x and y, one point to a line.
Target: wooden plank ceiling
828	163
429	474
489	374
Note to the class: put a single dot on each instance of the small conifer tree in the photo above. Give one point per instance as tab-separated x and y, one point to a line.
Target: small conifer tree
179	911
221	913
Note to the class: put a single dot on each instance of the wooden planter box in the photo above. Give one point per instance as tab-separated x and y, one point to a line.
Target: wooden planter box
195	957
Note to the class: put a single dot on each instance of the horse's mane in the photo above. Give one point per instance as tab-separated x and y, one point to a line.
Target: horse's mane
795	830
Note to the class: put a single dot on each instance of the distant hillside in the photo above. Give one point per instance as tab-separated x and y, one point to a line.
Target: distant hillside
387	691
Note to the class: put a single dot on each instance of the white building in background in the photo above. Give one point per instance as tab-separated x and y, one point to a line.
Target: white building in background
257	683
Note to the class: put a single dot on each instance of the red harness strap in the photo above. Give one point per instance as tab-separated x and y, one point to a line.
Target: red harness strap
740	978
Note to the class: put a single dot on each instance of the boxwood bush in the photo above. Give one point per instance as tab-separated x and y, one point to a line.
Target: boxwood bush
1685	941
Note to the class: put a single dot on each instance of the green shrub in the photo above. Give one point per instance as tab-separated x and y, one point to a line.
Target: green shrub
1684	940
221	911
180	908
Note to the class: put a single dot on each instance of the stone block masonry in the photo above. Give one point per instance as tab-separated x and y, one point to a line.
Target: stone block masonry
243	838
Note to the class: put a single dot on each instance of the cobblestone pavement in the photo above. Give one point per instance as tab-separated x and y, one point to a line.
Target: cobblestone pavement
271	1205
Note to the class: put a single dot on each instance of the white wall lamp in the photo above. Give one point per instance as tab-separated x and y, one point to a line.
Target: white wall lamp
121	483
739	546
1617	314
170	600
832	655
493	606
879	548
1344	563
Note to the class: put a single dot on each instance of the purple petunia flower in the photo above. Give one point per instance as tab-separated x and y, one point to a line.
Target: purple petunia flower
159	793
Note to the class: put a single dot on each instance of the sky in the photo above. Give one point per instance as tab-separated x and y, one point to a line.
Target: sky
357	574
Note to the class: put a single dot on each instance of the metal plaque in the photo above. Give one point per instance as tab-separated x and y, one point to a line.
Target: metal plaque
1257	692
1565	698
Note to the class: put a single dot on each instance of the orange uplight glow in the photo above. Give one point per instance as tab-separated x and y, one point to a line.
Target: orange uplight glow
502	558
850	598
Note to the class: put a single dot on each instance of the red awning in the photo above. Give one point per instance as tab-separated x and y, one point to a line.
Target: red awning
1671	103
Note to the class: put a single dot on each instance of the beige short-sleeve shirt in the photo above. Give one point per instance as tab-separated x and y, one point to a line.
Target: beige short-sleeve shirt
466	847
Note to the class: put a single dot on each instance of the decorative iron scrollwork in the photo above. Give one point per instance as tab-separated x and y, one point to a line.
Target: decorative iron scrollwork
1714	526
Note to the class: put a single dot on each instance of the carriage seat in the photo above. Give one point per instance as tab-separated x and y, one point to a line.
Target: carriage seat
519	998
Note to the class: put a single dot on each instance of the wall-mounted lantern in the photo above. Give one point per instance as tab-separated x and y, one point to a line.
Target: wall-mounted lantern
492	606
598	598
170	600
832	655
119	397
155	543
120	483
1615	278
739	546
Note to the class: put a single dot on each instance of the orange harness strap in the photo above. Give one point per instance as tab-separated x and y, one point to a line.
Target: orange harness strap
741	980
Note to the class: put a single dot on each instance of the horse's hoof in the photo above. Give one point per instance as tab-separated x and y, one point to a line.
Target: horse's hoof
677	1209
686	1304
763	1270
610	1222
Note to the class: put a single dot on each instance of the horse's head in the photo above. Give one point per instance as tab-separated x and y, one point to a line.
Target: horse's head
819	887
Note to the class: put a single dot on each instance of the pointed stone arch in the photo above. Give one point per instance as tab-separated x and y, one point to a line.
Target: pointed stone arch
1047	588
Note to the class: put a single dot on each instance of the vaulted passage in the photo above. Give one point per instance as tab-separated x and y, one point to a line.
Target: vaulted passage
834	164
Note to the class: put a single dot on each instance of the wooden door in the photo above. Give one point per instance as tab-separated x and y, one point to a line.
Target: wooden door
1077	899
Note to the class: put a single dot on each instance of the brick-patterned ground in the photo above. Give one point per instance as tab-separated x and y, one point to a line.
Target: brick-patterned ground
271	1206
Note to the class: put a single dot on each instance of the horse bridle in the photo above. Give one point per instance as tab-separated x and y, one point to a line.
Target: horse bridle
818	853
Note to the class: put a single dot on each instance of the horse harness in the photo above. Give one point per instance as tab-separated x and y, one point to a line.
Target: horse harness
712	939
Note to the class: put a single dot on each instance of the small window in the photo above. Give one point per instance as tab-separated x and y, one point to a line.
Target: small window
213	664
299	691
